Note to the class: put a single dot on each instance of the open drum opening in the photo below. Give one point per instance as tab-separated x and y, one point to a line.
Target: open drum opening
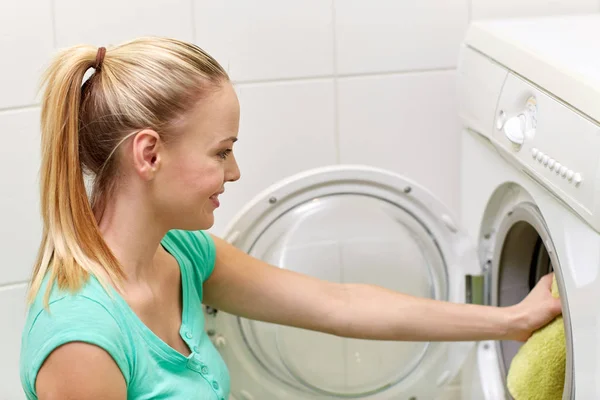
527	254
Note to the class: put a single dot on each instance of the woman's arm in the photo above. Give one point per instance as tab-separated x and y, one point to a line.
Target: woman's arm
80	371
372	312
244	286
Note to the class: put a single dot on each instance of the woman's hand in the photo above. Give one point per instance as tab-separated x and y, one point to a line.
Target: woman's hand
538	309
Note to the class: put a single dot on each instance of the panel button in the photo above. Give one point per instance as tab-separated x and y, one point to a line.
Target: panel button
570	175
551	163
500	120
534	152
577	178
563	171
545	159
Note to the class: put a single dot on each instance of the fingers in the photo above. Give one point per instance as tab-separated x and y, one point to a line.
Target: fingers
557	307
546	281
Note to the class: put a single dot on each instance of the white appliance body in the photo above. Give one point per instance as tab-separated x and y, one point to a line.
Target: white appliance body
530	148
529	96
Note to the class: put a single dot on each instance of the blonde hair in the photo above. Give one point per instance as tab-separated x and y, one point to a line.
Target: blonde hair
144	83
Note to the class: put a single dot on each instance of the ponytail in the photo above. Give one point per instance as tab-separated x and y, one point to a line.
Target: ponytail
72	246
145	83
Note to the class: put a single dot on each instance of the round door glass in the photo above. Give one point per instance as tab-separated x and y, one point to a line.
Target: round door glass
348	238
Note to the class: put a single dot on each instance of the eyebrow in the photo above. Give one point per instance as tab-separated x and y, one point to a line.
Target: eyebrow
232	138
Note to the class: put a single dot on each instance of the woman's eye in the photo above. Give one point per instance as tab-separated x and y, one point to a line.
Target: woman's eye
225	153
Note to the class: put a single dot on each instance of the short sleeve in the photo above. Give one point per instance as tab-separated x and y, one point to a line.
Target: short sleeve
205	254
198	247
71	318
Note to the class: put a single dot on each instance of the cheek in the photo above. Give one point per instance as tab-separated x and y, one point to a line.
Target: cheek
199	178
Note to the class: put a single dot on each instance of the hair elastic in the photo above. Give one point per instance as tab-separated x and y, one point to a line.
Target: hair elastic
99	58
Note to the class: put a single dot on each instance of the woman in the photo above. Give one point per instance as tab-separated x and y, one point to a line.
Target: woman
115	298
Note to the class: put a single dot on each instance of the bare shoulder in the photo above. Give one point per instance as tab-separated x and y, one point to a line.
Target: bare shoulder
81	371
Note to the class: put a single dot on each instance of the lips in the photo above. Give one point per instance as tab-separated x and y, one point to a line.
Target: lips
215	199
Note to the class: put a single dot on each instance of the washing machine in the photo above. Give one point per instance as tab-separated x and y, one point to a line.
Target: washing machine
529	93
530	104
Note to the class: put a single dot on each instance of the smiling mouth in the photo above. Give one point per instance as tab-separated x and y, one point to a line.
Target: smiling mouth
215	199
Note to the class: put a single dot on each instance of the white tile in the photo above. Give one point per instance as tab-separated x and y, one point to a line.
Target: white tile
25	47
12	315
483	9
20	227
267	39
110	22
285	128
406	123
390	35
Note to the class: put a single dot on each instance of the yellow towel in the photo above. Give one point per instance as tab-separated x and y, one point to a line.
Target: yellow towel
537	372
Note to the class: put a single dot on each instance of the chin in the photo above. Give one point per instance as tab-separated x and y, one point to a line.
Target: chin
204	224
190	224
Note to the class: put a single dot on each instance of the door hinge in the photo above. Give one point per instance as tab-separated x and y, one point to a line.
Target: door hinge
475	289
478	287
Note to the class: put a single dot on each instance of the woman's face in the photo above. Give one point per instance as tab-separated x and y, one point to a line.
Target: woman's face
195	166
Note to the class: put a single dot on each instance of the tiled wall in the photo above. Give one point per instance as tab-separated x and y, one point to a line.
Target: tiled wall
320	82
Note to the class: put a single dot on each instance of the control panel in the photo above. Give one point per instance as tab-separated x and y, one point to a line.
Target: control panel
554	143
479	83
553	165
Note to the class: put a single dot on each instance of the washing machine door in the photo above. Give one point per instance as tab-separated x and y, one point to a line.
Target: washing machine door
350	224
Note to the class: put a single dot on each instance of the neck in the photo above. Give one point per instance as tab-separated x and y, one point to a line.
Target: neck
131	231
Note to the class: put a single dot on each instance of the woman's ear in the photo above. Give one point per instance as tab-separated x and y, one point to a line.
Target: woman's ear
146	153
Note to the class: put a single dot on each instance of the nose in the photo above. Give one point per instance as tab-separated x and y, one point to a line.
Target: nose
232	173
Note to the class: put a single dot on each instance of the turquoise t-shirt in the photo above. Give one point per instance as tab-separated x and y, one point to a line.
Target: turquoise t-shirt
151	368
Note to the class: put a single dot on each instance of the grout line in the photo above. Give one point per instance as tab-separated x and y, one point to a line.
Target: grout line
283	80
334	36
30	107
193	13
336	104
53	19
13	285
392	73
470	11
342	76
